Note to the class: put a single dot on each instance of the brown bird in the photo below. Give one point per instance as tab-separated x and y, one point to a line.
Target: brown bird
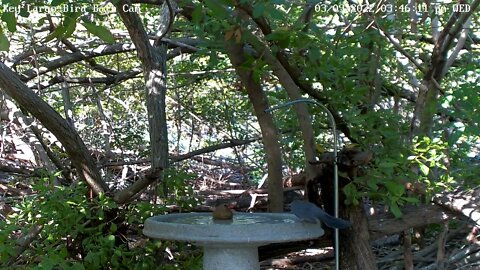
222	212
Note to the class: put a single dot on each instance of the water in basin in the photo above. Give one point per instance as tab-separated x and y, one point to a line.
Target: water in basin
237	220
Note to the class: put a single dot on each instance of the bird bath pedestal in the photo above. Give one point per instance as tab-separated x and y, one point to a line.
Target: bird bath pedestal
231	244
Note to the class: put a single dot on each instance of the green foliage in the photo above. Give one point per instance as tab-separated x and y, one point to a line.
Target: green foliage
425	162
181	193
99	31
78	233
430	157
217	10
83	233
11	21
4	42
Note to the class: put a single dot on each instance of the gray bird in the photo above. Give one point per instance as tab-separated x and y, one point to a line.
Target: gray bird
309	212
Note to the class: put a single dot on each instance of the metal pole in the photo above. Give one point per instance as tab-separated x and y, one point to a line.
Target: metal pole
335	165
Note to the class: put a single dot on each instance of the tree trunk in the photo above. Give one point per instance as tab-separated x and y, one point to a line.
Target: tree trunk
425	109
355	249
154	69
294	93
270	136
426	106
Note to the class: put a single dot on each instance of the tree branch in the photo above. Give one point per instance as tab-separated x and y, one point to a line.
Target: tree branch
50	118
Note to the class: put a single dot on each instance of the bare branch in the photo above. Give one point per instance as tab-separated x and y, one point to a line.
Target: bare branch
400	48
461	42
75	57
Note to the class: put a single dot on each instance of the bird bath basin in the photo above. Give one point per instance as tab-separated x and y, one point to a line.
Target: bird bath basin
231	244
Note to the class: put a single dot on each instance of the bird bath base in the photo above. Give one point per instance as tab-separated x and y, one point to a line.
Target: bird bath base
231	244
234	257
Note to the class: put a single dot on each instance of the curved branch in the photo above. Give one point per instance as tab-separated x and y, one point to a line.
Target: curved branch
170	21
74	146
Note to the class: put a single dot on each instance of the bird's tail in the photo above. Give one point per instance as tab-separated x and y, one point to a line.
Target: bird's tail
336	223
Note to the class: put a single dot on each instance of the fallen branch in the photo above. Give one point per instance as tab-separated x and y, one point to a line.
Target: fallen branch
463	202
286	262
467	255
17	170
413	217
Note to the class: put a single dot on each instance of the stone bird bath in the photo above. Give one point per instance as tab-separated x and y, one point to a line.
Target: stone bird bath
231	244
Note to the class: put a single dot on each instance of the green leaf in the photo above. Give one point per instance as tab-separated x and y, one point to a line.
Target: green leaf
388	164
70	23
70	28
395	188
228	2
99	31
314	54
277	14
77	266
4	42
372	184
281	36
113	228
351	193
24	13
412	200
57	2
197	14
395	210
217	9
58	33
11	21
424	168
101	215
258	10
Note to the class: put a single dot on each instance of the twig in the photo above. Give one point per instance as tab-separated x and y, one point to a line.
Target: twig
407	250
441	247
463	254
